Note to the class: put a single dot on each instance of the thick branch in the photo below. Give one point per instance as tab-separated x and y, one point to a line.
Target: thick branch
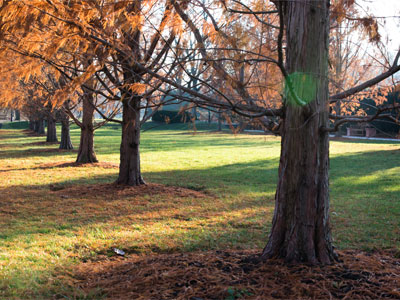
392	70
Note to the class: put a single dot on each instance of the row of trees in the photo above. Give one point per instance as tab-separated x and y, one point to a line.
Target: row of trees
81	57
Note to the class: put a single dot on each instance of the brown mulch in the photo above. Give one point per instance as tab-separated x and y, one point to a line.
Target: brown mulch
32	133
104	165
50	150
41	143
235	274
115	191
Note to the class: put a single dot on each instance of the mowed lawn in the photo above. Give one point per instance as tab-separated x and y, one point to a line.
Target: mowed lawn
54	215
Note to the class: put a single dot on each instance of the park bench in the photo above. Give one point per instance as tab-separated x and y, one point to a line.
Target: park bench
357	131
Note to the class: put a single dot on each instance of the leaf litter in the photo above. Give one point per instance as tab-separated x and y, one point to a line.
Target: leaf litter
240	274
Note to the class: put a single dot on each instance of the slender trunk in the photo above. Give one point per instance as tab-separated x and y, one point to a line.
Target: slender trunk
36	126
339	64
86	152
40	126
51	130
219	120
17	115
66	143
31	125
300	227
194	113
129	168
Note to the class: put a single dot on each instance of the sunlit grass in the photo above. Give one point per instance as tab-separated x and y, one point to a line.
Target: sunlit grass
44	231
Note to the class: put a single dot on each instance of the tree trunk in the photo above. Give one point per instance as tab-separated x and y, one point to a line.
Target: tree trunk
40	126
300	227
129	168
86	152
66	143
31	125
36	126
17	115
51	130
219	120
338	81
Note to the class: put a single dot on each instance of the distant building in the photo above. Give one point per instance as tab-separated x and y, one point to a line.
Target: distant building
5	114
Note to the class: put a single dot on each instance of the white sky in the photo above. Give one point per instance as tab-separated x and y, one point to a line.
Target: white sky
390	26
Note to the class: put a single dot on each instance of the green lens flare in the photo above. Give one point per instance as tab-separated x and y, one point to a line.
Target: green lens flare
300	88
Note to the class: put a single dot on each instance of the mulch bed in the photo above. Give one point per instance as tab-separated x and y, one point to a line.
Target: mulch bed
104	165
121	191
239	275
32	133
49	150
41	143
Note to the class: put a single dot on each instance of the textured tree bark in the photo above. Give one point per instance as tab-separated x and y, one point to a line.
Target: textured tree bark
51	130
86	152
65	143
300	227
129	168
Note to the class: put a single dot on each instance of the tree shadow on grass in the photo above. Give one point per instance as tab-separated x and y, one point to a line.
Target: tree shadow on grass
89	204
39	152
5	134
235	212
72	164
241	185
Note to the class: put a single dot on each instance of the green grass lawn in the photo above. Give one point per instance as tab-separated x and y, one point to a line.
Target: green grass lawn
45	229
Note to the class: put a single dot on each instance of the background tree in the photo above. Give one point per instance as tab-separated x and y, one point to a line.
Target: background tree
109	39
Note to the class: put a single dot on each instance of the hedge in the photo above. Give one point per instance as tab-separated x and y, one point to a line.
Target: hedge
165	116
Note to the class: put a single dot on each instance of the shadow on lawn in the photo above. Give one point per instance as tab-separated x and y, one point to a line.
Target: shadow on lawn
228	216
39	152
232	183
30	205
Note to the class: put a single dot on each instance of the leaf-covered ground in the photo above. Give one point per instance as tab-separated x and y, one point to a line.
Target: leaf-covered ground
207	192
238	274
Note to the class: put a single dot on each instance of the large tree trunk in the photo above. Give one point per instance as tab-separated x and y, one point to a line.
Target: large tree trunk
86	152
129	168
300	227
66	143
51	130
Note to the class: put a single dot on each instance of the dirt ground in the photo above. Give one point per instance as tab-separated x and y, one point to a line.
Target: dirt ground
240	275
